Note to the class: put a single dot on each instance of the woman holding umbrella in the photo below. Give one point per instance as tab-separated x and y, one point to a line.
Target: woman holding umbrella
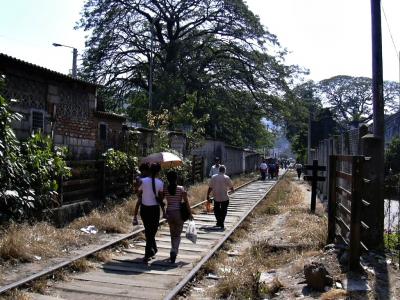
151	193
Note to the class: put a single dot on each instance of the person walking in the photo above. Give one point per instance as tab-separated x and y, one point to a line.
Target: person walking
175	196
263	169
299	168
219	186
144	170
151	193
215	168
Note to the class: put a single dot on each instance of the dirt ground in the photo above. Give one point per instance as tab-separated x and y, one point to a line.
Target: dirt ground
378	279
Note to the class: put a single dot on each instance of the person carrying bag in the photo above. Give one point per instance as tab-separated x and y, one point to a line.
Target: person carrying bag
178	211
151	191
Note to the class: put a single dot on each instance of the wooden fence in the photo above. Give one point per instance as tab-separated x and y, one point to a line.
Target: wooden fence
197	168
91	180
346	203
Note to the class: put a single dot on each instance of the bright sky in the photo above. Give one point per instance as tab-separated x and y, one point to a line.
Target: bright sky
329	37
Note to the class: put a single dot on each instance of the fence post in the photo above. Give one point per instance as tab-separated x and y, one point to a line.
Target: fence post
332	199
61	189
355	222
373	215
193	168
102	178
314	185
202	168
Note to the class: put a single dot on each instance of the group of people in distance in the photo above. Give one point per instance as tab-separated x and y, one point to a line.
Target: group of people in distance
269	167
152	192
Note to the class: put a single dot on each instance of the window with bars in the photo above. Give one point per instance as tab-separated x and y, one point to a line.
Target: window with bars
37	120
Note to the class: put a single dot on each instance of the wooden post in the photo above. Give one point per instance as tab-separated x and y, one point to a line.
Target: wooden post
102	178
332	199
355	222
314	178
314	185
373	215
61	189
202	168
193	168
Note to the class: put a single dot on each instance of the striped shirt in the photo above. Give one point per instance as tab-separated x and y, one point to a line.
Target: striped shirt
174	201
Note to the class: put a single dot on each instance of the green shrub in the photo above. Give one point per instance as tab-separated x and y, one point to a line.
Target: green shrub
15	195
118	161
45	164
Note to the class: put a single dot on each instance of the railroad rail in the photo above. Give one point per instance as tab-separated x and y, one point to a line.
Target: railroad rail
127	277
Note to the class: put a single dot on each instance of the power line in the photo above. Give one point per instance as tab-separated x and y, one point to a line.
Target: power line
390	32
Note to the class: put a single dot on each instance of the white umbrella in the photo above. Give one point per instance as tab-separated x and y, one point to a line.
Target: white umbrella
165	159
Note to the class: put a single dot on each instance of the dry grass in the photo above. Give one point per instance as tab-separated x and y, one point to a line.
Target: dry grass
197	193
308	229
117	220
22	242
103	256
39	286
15	295
335	294
81	265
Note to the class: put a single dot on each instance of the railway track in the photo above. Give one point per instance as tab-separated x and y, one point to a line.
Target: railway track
127	277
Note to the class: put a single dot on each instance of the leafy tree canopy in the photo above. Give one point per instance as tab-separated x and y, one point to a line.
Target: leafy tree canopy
213	48
301	101
351	97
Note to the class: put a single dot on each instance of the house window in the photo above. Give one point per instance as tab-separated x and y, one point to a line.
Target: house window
37	120
103	132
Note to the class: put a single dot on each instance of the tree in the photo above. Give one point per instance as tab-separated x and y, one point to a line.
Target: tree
351	97
201	47
301	101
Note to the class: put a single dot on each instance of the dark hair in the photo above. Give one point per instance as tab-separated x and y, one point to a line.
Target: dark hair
172	177
144	167
222	169
154	169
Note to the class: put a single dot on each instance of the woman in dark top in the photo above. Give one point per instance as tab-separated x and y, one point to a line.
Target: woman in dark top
151	193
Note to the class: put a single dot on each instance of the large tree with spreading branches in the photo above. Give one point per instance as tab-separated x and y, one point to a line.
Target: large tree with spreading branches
201	47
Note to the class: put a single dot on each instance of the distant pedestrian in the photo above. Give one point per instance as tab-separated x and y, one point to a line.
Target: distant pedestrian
263	169
271	169
175	195
299	168
215	168
151	193
220	185
277	170
144	170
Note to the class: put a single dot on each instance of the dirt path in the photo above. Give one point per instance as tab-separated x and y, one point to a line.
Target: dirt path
275	246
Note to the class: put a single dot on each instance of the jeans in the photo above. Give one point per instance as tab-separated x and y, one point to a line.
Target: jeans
175	223
151	219
220	211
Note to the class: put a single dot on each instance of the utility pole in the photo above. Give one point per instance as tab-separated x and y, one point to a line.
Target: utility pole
74	57
151	66
373	144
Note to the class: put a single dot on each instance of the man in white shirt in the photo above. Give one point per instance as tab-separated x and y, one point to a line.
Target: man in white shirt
263	169
219	186
215	168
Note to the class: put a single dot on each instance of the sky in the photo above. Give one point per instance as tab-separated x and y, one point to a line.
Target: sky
328	37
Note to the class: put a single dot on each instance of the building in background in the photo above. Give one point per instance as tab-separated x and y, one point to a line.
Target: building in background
60	106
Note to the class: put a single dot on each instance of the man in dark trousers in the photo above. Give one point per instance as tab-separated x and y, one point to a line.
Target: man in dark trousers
220	184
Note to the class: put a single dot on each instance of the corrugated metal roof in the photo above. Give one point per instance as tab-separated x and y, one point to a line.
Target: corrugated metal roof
5	57
111	115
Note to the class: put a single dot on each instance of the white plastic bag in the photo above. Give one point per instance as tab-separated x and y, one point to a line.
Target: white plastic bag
191	232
